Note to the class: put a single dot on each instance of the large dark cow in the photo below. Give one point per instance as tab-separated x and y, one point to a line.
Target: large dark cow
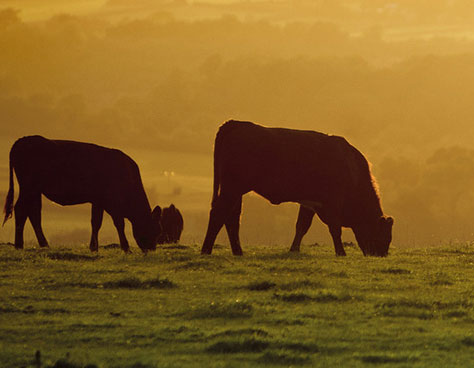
323	173
69	173
171	222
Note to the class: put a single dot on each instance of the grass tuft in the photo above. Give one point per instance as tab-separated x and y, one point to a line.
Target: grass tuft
468	341
323	296
69	256
300	284
176	246
260	285
396	271
293	297
441	279
328	297
135	283
386	358
251	345
112	246
235	309
65	363
284	359
200	264
298	346
456	314
242	332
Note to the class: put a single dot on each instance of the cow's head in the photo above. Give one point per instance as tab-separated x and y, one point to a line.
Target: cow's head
374	238
146	232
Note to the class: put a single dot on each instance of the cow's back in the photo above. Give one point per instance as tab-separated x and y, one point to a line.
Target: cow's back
283	164
69	172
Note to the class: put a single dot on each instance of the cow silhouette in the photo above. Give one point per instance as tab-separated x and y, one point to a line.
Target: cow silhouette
68	173
171	223
323	173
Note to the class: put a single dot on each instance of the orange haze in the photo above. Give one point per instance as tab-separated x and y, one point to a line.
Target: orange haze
157	78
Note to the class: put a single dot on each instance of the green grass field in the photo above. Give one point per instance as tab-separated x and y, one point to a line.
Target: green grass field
176	308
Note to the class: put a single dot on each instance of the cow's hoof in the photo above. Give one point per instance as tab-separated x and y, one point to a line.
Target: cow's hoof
206	251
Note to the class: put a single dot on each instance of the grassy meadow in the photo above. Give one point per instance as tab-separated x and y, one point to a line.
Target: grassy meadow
176	308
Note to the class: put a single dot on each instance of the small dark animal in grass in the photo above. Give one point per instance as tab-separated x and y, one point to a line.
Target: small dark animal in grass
323	173
69	173
171	222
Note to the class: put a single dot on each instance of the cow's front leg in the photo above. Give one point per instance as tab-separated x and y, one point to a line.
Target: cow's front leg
120	225
97	214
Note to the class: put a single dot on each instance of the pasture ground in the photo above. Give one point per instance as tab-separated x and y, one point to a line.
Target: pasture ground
176	308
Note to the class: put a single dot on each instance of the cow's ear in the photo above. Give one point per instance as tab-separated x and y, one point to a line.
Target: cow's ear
156	213
388	220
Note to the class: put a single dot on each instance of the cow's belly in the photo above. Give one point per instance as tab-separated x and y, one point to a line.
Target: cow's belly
312	205
67	196
65	199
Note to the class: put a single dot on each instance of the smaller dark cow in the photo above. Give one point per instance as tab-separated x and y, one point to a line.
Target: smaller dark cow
68	173
323	173
171	222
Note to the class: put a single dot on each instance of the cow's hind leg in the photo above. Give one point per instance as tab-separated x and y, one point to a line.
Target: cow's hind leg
336	232
120	225
34	214
97	214
232	226
21	214
303	223
221	208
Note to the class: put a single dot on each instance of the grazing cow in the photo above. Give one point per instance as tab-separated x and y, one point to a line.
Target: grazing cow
323	173
171	222
68	173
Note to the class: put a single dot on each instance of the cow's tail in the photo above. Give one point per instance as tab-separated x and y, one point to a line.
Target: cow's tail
215	191
8	209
